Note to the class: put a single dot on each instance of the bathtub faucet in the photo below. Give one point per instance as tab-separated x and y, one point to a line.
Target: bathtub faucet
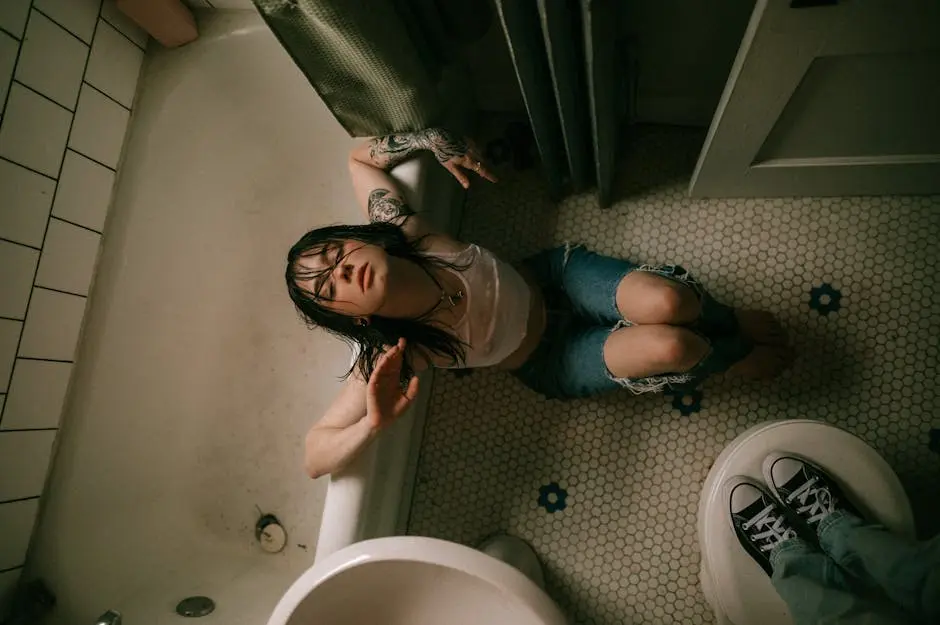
109	618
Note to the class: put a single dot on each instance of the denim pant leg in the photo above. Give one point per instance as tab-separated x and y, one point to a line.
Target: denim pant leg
906	571
570	363
817	591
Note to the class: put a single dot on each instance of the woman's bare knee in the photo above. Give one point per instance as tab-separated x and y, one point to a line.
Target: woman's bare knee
646	298
642	351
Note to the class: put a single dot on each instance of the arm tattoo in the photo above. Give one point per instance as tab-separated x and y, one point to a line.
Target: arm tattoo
445	144
388	151
383	206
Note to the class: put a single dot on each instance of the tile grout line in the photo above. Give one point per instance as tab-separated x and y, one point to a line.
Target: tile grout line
55	193
94	160
27	168
16	81
122	33
17	39
28	430
19	339
77	225
16	61
16	499
32	247
54	21
63	292
124	106
44	359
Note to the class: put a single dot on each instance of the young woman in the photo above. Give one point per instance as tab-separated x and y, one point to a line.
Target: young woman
568	322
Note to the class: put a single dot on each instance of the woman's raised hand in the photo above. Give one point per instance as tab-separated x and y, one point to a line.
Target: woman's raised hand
456	155
385	401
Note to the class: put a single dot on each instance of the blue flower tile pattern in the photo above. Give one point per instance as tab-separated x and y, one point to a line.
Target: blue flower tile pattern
687	402
553	497
825	299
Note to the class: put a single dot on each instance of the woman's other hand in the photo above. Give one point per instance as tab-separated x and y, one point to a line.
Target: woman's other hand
457	155
385	401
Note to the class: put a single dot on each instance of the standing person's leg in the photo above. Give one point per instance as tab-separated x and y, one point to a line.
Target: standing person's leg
908	572
814	588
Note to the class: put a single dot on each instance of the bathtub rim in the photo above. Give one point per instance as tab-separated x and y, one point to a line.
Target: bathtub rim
371	498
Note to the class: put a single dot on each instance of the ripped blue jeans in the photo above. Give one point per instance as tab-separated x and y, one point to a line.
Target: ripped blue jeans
580	290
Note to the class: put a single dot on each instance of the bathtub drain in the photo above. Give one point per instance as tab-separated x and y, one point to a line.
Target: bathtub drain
194	607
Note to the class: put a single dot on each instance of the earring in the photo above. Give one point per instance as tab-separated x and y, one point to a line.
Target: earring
362	322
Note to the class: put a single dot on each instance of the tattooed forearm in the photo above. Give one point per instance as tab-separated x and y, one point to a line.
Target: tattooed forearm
383	206
388	151
445	144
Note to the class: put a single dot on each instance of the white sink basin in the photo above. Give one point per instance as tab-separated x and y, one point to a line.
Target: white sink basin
408	580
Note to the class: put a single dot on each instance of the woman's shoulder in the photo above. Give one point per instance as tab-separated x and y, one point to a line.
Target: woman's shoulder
443	245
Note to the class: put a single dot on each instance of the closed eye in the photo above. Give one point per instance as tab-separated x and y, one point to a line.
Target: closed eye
327	282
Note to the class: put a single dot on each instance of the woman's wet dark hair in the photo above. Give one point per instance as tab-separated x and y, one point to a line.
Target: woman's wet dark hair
423	337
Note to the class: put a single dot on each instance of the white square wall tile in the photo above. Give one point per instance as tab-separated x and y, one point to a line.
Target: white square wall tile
8	49
34	131
79	16
84	193
37	394
68	258
16	527
53	323
9	337
24	461
13	15
114	65
52	60
19	267
123	23
99	127
26	197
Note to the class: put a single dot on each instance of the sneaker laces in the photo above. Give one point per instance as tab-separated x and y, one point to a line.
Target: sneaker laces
816	502
772	528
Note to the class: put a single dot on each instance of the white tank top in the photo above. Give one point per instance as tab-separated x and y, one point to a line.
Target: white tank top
497	312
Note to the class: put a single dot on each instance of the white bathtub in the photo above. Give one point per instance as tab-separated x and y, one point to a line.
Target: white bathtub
196	381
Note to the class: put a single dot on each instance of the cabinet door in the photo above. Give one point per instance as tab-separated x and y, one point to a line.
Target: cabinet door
837	99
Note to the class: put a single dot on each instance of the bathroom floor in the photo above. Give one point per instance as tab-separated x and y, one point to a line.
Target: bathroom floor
606	490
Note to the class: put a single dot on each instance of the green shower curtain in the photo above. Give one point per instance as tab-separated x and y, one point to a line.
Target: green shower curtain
375	63
573	77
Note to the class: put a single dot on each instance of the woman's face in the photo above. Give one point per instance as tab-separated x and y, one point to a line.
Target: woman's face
350	277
